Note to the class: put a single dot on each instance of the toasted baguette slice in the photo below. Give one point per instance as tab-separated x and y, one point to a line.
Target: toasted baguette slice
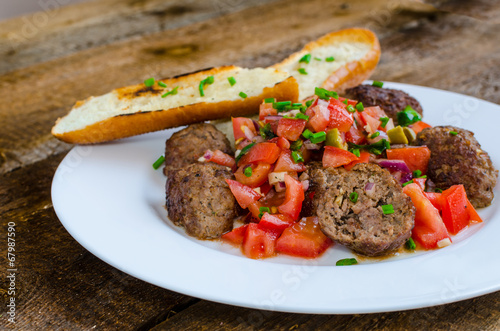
137	109
355	51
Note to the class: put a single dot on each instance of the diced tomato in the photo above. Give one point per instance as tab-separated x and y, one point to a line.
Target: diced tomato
276	222
454	212
434	198
262	152
266	109
283	143
222	158
320	117
416	158
290	128
245	195
364	157
420	182
335	157
258	243
340	118
254	209
286	163
473	215
349	101
375	112
354	135
419	126
265	188
239	124
236	235
429	227
258	176
304	239
294	196
371	122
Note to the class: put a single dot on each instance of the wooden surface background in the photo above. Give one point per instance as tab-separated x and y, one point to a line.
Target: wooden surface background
53	58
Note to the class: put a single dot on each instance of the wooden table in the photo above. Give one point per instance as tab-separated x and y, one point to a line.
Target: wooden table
53	58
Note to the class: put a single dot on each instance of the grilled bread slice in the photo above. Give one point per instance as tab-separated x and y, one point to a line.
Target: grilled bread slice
138	109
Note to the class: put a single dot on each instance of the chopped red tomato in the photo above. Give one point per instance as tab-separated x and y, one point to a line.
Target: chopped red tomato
375	112
276	222
294	195
335	157
222	158
349	101
454	208
242	124
429	227
236	235
419	126
262	152
303	239
372	123
416	158
254	209
473	215
340	118
283	143
420	182
266	109
245	195
364	157
258	175
434	198
320	116
258	243
354	135
290	128
286	163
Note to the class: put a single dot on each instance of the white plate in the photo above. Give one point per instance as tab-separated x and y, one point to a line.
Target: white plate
111	201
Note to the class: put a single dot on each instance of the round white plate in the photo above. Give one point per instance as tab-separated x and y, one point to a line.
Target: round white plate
111	201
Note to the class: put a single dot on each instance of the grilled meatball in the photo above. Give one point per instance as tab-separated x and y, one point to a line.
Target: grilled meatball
459	159
391	101
361	225
199	199
188	145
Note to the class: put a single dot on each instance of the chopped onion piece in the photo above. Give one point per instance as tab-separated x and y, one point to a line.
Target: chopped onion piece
305	185
304	176
276	177
258	139
382	135
406	177
394	165
369	186
272	118
309	145
280	187
248	133
444	242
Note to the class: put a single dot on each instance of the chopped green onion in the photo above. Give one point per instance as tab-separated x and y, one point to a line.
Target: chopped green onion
302	116
353	197
375	135
377	83
356	152
306	58
149	82
297	157
207	81
318	137
307	134
263	210
410	244
408	116
384	121
309	103
158	162
302	71
297	105
269	100
248	172
345	102
417	173
244	150
296	145
317	59
407	183
266	131
438	190
330	59
162	84
231	80
171	92
350	261
243	95
281	105
376	148
360	107
453	133
325	94
351	109
387	209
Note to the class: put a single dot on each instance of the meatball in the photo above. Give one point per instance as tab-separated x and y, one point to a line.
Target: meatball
349	208
391	101
459	159
188	145
199	199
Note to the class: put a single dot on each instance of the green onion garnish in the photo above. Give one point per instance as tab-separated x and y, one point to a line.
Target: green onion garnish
318	137
356	152
302	71
330	59
453	133
384	121
317	59
375	135
158	162
306	58
377	83
171	92
269	100
360	107
149	82
263	210
162	84
353	197
350	261
248	172
296	145
410	244
307	134
266	131
297	157
207	81
345	102
302	116
281	105
325	94
244	150
231	80
387	209
417	173
408	116
243	95
351	109
309	103
438	190
407	183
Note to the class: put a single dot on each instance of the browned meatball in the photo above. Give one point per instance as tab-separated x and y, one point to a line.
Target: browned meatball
362	225
188	145
459	159
391	101
199	199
